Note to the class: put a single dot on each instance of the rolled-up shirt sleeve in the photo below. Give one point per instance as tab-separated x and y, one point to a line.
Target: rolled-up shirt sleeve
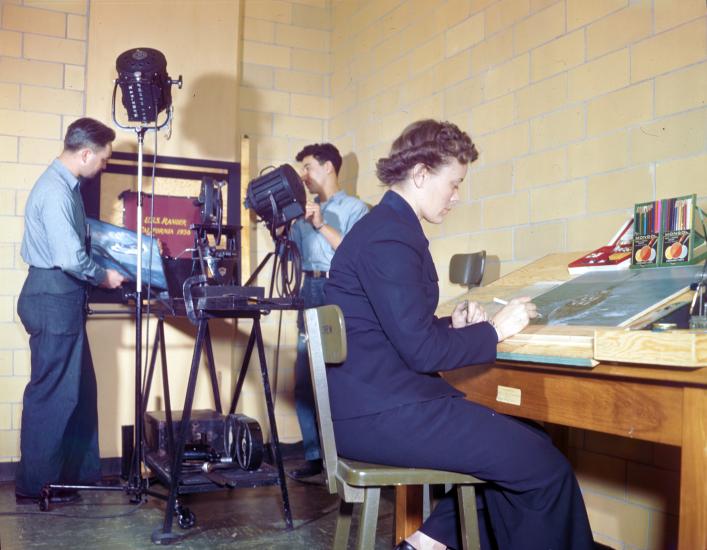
358	211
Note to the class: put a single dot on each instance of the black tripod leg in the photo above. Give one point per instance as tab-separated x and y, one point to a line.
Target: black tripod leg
151	369
165	389
275	271
273	425
244	371
176	468
258	269
138	449
212	371
135	481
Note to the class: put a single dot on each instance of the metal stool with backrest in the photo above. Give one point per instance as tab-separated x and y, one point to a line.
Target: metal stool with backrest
361	482
467	269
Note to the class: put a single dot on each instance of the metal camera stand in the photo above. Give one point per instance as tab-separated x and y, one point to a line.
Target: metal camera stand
201	303
200	306
210	295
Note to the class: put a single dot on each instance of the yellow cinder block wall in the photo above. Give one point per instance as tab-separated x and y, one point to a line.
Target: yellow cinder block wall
57	63
579	109
284	105
42	89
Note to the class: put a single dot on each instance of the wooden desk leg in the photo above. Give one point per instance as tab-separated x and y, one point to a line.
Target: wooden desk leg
408	510
693	480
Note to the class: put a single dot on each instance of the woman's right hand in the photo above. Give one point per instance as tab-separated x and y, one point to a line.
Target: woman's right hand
514	317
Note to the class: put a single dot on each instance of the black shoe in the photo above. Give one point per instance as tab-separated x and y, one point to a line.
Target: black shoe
403	545
313	468
58	496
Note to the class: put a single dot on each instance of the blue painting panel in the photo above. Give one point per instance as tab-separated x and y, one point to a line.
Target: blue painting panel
114	247
612	298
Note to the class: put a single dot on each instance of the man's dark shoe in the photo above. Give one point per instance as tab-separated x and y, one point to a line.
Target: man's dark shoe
312	468
58	496
403	545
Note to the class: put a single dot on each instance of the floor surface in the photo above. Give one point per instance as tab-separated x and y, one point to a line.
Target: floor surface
247	518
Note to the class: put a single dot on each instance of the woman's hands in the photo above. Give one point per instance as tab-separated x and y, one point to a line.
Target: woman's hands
468	313
514	317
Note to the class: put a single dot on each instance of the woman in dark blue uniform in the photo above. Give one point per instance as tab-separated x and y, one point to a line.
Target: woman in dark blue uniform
388	403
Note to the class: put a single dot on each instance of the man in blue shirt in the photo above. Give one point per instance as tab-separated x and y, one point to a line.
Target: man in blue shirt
329	217
59	433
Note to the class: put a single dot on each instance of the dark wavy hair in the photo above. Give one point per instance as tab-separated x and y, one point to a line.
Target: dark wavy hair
87	132
322	152
429	142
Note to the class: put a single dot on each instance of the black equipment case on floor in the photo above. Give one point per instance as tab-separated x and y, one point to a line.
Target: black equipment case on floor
233	439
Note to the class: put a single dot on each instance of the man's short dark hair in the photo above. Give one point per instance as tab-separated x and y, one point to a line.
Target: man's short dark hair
322	152
87	132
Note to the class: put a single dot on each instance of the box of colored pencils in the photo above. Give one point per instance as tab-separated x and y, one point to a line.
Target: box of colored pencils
668	232
682	241
647	226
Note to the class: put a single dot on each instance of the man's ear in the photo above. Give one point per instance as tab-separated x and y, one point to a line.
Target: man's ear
84	154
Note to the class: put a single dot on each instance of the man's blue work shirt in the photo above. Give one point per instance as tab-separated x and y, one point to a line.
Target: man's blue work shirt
55	226
341	212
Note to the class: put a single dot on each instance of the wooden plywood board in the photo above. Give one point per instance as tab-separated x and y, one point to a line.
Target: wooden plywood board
572	346
674	348
247	232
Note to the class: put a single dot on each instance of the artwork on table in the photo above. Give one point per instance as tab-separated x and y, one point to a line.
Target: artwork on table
612	298
114	247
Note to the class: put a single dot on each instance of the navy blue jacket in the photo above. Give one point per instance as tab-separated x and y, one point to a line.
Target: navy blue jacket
383	278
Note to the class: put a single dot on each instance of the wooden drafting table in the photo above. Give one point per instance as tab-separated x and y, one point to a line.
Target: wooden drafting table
664	403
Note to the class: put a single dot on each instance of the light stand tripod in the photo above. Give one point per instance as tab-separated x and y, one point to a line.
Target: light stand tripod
146	92
136	484
135	479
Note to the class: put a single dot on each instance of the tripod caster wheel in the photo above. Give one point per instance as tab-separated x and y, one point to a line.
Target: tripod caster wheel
44	496
186	518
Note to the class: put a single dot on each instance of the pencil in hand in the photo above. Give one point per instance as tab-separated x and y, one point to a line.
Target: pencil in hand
505	303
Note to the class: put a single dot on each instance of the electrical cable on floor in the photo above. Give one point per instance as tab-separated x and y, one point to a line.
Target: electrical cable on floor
274	537
73	516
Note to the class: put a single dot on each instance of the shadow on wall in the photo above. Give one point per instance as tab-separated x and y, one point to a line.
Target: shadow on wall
348	175
206	116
